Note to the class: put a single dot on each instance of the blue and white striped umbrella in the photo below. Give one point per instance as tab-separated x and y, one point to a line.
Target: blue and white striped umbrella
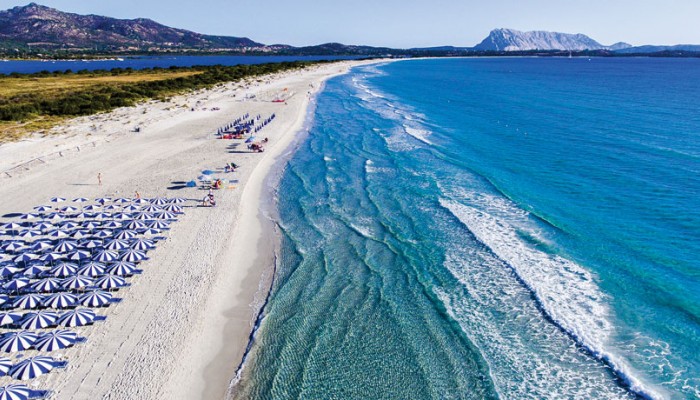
122	268
159	201
42	209
131	207
106	255
14	392
133	225
51	257
5	365
25	257
123	216
151	208
65	246
28	216
56	340
126	234
92	269
91	225
104	233
77	317
63	270
8	271
28	301
110	282
112	225
80	234
16	284
83	215
177	200
132	255
103	200
151	231
68	209
30	233
95	298
14	246
121	200
33	270
61	300
92	243
46	285
142	244
10	318
80	200
142	216
111	207
117	244
41	245
140	201
57	199
76	282
79	255
58	234
39	320
173	208
91	208
17	341
32	367
4	298
44	226
68	225
159	225
103	215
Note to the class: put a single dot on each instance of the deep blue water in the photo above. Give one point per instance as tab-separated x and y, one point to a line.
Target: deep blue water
32	66
491	228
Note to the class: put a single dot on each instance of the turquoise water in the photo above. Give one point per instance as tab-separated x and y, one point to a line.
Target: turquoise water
490	228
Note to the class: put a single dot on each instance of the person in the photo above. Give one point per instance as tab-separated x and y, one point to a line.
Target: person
265	140
138	195
99	178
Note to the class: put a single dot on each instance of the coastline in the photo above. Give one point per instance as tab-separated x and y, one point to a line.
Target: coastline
184	324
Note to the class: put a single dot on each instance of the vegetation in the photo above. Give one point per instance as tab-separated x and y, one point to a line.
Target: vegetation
40	100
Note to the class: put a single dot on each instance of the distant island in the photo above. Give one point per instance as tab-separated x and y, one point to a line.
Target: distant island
36	31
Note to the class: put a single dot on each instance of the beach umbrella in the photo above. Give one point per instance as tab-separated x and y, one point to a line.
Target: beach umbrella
4	298
106	255
159	201
140	201
28	216
51	257
92	244
58	234
44	226
173	208
65	246
123	216
14	246
68	209
69	225
90	225
46	285
122	200
132	255
103	200
16	284
131	207
63	270
159	225
77	317
152	208
133	225
125	235
91	207
142	216
92	269
17	341
111	207
32	367
76	282
177	200
79	255
41	246
103	215
112	225
83	215
56	340
166	215
14	392
95	298
110	282
142	244
25	257
117	244
122	268
5	365
8	271
28	301
10	318
12	227
42	209
80	200
61	300
151	231
57	199
33	270
80	234
30	233
104	233
39	320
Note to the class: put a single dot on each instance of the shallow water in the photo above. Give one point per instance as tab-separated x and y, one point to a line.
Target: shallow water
482	228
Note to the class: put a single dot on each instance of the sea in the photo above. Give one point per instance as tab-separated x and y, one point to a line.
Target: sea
513	228
143	62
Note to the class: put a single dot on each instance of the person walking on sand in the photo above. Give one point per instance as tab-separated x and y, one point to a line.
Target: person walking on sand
99	178
138	195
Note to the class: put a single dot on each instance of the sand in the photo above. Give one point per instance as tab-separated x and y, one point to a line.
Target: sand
183	325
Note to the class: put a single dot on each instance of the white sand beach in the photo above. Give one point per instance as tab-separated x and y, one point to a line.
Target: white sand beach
183	325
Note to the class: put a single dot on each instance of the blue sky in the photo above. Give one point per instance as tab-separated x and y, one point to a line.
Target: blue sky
407	23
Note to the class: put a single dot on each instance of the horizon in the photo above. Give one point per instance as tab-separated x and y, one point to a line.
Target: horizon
397	25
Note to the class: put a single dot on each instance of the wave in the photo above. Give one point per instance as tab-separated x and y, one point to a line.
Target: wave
565	291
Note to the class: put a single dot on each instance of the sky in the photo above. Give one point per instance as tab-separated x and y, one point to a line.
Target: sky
407	23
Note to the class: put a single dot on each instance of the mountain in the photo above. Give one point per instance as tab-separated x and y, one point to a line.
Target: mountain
41	27
512	40
691	48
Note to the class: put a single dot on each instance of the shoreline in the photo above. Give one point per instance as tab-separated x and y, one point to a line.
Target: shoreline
201	290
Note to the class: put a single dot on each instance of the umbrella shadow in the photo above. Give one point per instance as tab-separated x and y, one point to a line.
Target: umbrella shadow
12	215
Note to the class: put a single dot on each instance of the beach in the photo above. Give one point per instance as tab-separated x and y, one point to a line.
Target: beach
184	324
